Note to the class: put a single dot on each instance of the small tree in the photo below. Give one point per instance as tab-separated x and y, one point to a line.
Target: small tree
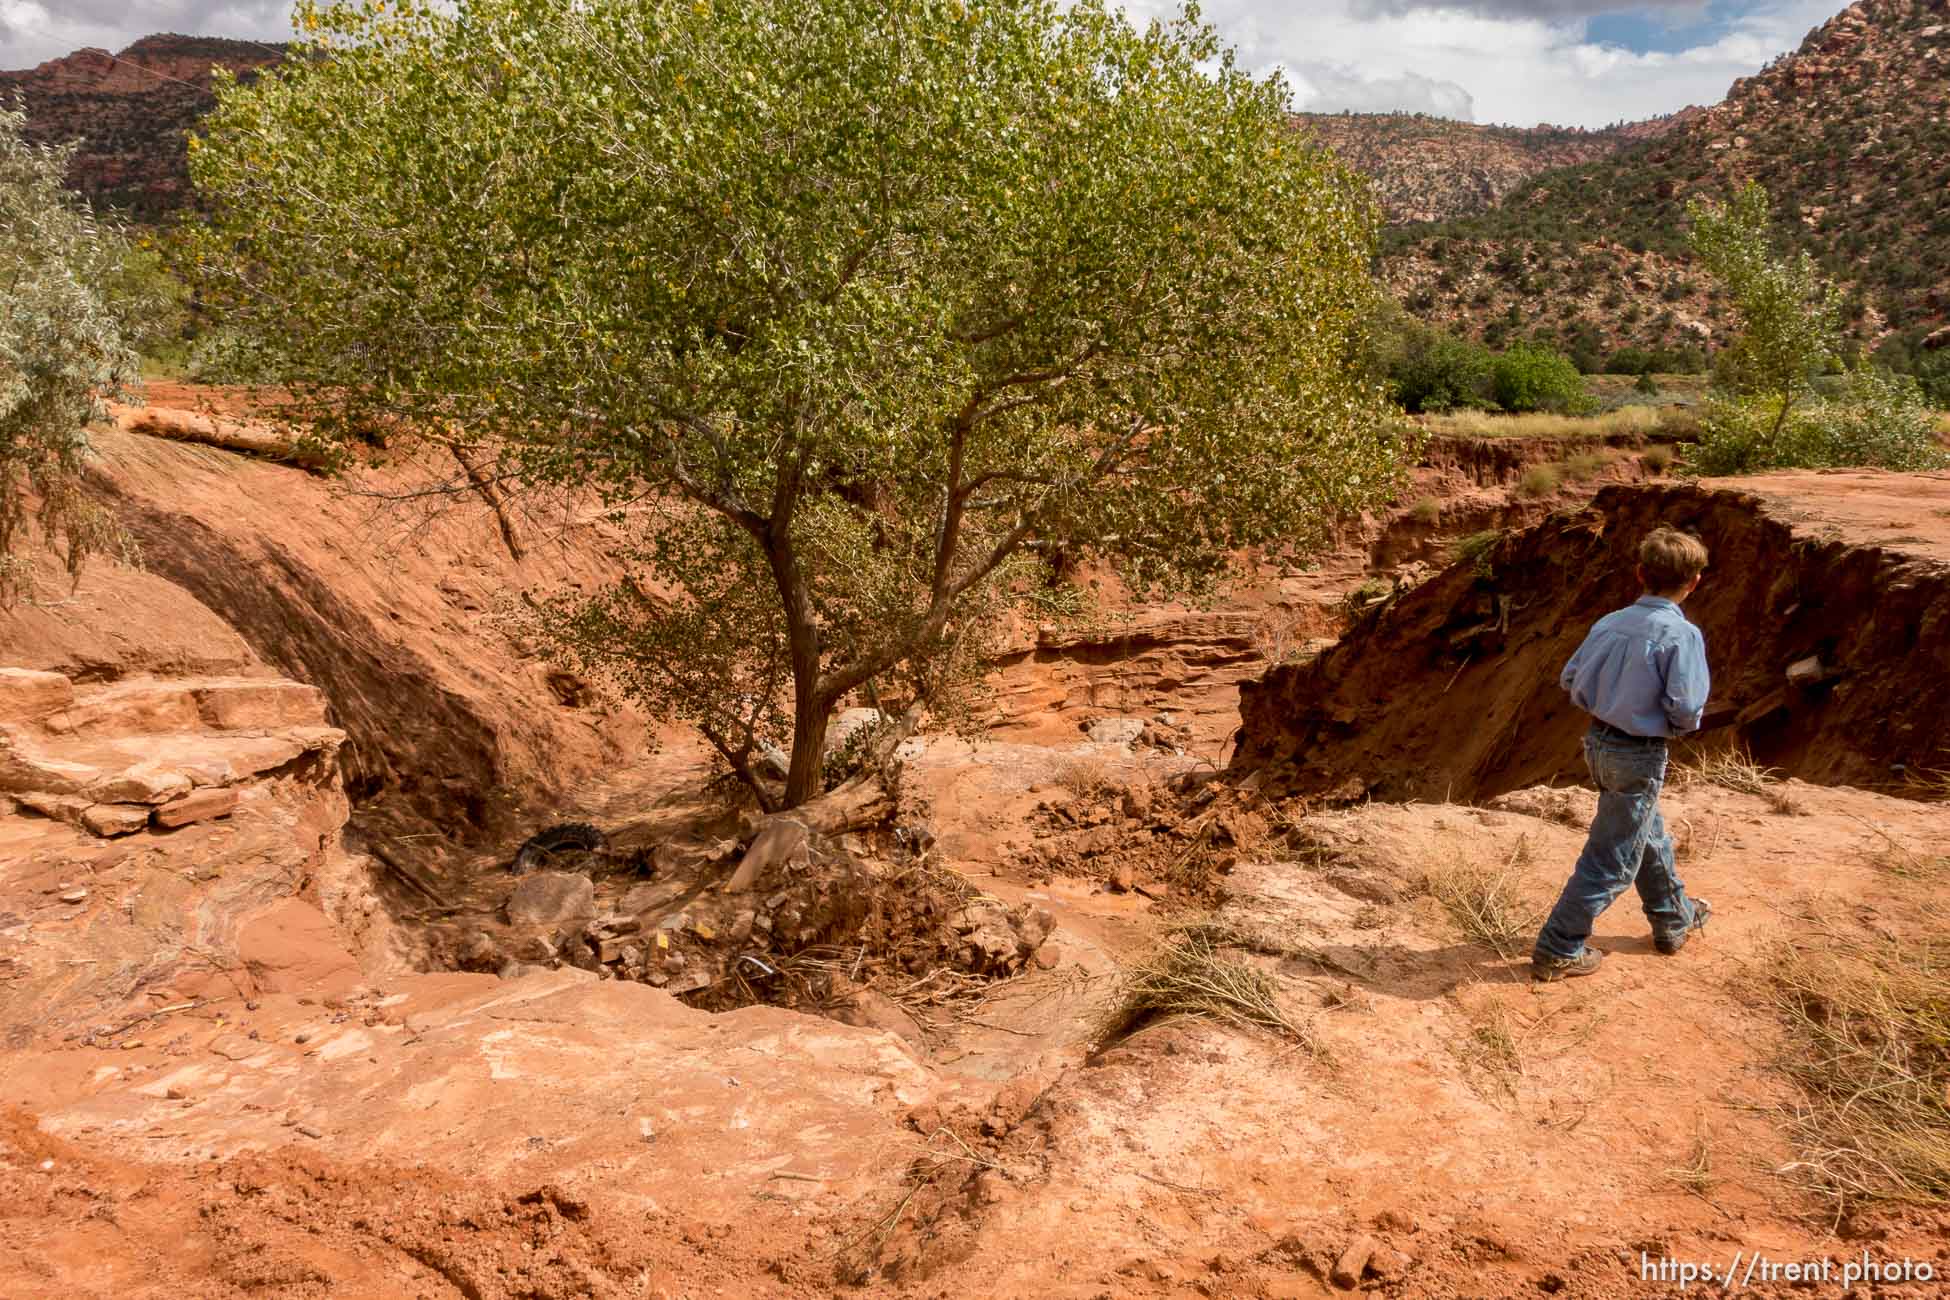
1532	378
1790	318
1770	413
61	350
856	303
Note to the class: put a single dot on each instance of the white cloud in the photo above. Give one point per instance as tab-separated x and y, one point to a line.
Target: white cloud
1408	54
32	32
1518	61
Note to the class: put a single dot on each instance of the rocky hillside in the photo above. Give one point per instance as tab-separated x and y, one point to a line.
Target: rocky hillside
1851	136
1434	169
129	111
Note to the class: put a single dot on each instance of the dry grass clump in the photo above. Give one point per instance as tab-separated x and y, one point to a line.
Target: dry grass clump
1426	511
1695	1174
1475	550
1584	465
1493	1048
1189	975
1736	769
1868	1024
1538	481
1658	457
1087	776
1487	424
1898	859
1487	903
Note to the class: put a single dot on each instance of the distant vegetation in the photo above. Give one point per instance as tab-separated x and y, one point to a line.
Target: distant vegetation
1430	371
1851	135
1766	410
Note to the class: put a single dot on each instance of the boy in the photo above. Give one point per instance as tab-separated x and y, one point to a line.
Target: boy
1641	674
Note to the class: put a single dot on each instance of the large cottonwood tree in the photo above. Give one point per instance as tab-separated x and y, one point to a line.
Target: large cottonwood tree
857	304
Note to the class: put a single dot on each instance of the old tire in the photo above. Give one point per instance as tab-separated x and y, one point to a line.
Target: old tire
537	849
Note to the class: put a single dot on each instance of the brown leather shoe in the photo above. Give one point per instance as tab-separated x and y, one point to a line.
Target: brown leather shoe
1702	912
1545	969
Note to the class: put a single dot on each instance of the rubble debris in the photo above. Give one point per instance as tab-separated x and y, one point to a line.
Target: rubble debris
1353	1262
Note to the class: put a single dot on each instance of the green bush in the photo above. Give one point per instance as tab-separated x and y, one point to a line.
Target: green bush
1646	384
1435	371
1874	418
1933	378
1531	378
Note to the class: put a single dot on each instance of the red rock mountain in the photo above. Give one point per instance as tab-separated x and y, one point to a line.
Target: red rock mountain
1850	134
129	111
1432	169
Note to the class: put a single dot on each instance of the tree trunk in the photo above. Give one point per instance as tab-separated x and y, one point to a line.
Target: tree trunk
810	714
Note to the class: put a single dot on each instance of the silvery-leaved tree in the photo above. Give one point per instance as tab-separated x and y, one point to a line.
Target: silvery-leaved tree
1766	411
846	307
61	350
1790	317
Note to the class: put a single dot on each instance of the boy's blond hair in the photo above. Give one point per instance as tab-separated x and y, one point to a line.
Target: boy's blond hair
1670	559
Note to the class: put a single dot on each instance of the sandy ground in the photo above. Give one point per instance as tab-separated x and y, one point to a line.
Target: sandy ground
322	1120
557	1135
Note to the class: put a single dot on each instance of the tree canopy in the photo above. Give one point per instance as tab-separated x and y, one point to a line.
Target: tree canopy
853	307
61	348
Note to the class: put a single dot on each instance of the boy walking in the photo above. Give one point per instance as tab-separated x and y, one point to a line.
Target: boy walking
1641	675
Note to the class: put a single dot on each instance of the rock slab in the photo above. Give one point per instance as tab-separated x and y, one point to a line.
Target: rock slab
551	898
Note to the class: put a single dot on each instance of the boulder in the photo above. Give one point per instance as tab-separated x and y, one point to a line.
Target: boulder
1353	1262
29	696
199	805
551	898
1115	731
134	708
849	723
111	819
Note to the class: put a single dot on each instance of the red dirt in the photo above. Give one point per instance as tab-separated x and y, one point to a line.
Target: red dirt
1450	690
297	1131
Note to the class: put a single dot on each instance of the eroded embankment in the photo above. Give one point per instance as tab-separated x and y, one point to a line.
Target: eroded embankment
398	613
1449	691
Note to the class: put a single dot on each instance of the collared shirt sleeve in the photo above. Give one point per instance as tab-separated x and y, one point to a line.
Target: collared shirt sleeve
1569	677
1687	683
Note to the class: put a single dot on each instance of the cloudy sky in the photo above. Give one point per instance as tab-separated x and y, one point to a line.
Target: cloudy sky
1574	62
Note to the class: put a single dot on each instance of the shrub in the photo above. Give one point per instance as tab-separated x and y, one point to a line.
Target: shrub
63	345
1530	378
1436	371
1538	481
1646	384
1874	419
1933	378
1657	458
1426	511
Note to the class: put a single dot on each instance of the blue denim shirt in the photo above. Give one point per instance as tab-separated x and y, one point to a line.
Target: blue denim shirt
1642	669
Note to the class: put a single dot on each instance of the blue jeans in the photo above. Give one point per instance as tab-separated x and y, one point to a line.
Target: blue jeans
1628	845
